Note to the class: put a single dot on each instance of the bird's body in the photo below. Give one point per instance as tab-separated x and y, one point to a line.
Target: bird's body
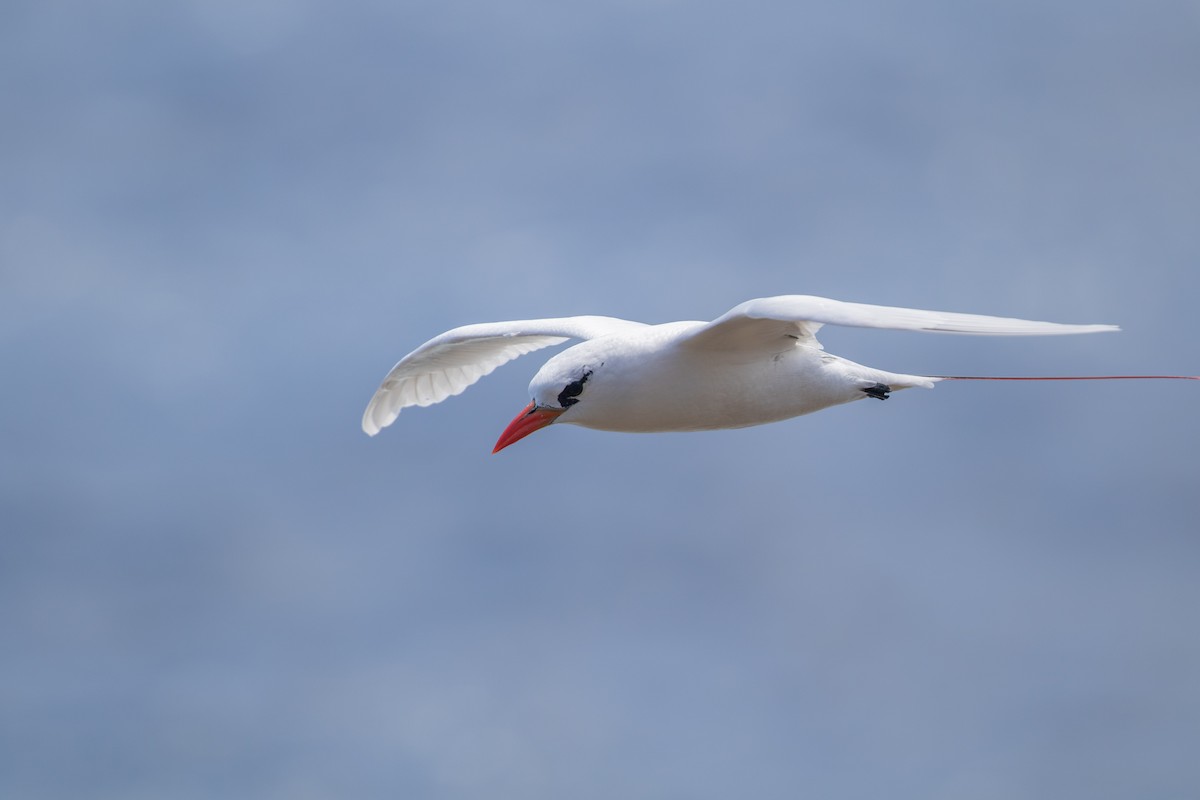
758	363
652	380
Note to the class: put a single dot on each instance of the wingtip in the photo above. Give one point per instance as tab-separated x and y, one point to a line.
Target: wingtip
369	427
1077	328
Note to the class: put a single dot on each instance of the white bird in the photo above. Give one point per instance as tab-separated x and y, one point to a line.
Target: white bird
758	363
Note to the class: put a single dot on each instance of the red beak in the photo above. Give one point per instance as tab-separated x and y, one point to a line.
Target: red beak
531	418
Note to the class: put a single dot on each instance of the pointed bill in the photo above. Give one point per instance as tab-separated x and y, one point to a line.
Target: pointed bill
531	418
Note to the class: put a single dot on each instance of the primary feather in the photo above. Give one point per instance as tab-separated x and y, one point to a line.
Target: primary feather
447	364
801	316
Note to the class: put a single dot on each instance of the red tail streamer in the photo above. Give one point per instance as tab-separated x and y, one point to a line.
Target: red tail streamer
1071	378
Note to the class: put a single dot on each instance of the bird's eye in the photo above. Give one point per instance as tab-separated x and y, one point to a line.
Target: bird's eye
569	396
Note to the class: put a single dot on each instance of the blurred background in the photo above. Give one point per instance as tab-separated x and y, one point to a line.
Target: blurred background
222	222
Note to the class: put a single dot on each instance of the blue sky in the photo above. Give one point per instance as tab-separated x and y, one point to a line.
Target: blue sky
223	222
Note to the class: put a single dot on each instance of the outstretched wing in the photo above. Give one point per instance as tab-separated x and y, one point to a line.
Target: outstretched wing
775	320
448	364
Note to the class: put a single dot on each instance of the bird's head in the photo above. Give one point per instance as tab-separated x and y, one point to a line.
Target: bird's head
557	388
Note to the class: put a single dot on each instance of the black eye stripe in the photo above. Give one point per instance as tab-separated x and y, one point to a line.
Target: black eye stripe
570	393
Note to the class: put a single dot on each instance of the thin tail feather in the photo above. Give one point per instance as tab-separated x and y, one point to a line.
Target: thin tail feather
1068	378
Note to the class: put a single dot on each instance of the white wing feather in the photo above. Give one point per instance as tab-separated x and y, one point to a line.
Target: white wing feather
447	364
769	319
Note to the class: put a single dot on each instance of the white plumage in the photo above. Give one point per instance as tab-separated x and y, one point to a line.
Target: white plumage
758	363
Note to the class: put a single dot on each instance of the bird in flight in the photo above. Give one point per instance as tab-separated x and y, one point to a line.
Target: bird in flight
758	363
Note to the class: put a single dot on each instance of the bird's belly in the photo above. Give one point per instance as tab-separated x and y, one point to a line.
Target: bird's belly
703	397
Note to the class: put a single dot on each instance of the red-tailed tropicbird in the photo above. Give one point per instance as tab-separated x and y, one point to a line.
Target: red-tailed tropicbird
758	363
